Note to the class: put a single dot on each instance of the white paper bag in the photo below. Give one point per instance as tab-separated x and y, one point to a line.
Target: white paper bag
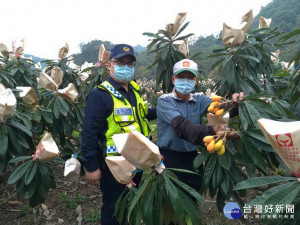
120	168
46	149
285	139
138	150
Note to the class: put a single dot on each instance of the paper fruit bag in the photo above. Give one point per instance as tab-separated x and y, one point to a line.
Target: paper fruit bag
216	120
139	150
46	149
120	168
285	139
72	169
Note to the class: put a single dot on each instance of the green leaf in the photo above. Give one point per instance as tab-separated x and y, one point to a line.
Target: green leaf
56	108
268	193
31	172
290	34
3	141
188	189
19	172
200	159
21	127
32	187
284	196
181	29
15	142
258	95
19	159
217	63
209	168
190	207
249	57
225	160
147	206
174	198
253	114
140	192
260	181
225	184
244	117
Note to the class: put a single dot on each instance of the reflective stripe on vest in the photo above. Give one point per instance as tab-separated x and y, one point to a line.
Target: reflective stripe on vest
123	117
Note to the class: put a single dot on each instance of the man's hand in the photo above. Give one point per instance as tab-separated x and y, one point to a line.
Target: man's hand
238	96
93	178
220	129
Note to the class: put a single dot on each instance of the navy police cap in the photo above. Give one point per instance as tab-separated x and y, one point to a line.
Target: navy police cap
120	50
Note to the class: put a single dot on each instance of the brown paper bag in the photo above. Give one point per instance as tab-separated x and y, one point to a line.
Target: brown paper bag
120	168
8	104
18	47
72	169
285	66
232	36
285	139
63	51
72	65
178	22
184	47
248	18
276	57
57	75
169	27
264	23
46	149
69	92
28	95
4	50
215	120
46	82
138	150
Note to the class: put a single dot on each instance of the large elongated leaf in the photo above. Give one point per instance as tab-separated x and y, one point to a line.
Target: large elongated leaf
209	168
200	159
21	127
189	190
174	198
31	172
253	114
56	108
138	195
190	208
260	181
19	172
225	160
3	141
284	196
19	159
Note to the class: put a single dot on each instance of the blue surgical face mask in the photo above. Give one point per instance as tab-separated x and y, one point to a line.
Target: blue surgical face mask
123	73
184	86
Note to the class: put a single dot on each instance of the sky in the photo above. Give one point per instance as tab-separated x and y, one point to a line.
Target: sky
47	25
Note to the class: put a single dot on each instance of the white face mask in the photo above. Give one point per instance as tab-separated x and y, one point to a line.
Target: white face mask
123	73
184	86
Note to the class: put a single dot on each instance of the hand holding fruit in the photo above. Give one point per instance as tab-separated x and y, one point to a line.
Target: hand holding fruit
220	104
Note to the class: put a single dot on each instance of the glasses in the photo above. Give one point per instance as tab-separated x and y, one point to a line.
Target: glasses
120	63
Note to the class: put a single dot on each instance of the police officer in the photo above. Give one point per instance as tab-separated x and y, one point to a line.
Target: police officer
115	106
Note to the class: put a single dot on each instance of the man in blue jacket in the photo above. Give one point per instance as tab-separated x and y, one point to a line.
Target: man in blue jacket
115	106
179	122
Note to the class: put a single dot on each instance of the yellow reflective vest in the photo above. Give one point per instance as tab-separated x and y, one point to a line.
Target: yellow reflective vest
124	117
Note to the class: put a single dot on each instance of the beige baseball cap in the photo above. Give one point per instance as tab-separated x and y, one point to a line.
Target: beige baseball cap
185	65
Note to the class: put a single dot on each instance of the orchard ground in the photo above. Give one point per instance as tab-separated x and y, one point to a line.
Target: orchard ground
79	203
